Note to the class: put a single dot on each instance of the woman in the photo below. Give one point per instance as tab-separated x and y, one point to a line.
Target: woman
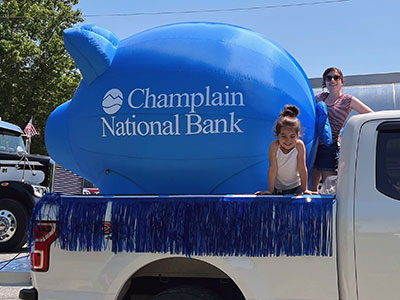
339	107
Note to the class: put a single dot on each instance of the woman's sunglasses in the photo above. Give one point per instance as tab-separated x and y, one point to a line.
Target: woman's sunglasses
335	77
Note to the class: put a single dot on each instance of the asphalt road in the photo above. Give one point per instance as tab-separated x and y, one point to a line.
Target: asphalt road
8	292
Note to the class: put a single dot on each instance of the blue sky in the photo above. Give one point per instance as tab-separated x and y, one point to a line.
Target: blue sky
358	36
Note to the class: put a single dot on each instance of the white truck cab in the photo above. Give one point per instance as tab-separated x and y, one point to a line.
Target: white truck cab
24	178
368	205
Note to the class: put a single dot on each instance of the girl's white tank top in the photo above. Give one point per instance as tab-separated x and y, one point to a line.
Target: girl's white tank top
288	177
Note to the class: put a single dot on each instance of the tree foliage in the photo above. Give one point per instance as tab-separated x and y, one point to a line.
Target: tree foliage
36	72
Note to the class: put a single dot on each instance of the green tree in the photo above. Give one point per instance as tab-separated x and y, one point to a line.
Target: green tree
36	72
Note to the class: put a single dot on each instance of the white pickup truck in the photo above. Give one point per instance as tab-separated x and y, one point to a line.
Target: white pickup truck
360	261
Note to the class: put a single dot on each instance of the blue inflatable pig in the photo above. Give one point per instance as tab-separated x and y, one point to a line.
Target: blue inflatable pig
179	109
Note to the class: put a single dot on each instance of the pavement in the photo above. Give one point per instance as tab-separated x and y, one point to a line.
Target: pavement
14	274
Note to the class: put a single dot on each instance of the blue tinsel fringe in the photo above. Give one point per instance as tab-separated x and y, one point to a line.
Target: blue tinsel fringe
193	225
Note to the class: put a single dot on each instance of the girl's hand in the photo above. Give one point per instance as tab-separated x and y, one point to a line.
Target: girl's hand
308	192
263	193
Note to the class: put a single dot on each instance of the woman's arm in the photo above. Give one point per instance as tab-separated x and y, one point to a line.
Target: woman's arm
301	166
359	106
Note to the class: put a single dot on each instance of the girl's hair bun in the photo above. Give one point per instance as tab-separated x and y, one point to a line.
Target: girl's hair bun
288	118
290	111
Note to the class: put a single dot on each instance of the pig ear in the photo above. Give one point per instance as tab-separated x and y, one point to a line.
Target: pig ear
93	49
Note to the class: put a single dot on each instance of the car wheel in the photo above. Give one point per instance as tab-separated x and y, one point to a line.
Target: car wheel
14	221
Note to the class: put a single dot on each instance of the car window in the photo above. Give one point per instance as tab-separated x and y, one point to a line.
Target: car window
10	142
388	159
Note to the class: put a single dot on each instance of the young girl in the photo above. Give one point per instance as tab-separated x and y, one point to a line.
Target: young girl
287	173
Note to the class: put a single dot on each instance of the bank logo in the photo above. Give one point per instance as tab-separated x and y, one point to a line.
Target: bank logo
112	101
185	116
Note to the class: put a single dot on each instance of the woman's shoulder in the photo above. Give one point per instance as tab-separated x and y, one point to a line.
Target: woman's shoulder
346	98
321	96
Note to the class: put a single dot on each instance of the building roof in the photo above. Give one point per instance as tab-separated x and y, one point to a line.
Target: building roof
368	79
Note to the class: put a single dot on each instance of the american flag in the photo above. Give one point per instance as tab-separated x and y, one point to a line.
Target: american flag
30	130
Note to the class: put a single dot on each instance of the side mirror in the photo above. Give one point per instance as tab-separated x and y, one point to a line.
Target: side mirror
21	152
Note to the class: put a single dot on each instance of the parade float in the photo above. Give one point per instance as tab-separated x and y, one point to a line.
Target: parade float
173	125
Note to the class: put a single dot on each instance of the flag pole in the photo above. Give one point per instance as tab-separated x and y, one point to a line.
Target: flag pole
28	145
29	131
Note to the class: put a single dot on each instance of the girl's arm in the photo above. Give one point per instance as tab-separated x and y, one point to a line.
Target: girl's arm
273	166
272	169
301	166
359	106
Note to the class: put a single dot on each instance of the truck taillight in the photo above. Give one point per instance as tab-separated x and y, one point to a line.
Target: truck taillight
44	233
